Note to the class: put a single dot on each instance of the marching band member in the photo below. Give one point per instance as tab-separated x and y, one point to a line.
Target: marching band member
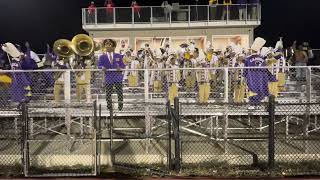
203	78
112	61
122	47
281	75
173	78
281	63
257	79
58	88
20	88
83	79
239	82
127	59
5	82
157	74
272	64
189	75
133	78
213	61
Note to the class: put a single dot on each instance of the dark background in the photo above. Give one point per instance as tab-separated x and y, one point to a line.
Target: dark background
44	21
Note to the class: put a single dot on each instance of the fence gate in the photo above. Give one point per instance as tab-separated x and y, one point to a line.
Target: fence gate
11	141
60	140
134	140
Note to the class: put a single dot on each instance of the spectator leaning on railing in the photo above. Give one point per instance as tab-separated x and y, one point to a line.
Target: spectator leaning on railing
226	9
167	10
91	12
213	9
109	5
136	10
242	9
254	9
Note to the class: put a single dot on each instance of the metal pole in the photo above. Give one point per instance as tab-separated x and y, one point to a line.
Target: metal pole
189	15
271	145
111	134
83	16
226	85
132	16
95	17
114	16
170	16
208	13
151	16
25	146
177	135
67	100
246	13
146	100
95	124
99	137
169	135
227	13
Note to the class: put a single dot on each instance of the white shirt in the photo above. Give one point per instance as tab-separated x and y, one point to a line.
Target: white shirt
110	54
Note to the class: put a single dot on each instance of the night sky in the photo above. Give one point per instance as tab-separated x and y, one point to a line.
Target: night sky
44	21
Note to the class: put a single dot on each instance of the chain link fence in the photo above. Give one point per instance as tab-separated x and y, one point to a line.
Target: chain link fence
11	145
86	122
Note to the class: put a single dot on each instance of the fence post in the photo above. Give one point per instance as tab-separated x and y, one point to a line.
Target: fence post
189	13
132	16
146	100
151	16
271	143
114	16
177	135
169	135
24	141
95	130
95	17
111	134
226	85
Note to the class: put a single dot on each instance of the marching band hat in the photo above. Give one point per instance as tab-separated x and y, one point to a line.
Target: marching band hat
258	44
113	42
11	50
264	51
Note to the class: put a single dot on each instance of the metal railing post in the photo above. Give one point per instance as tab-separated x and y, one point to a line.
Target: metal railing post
170	16
114	16
177	135
208	13
189	14
226	85
132	16
95	129
309	82
246	13
146	100
151	16
95	17
111	134
24	140
67	99
227	18
83	16
169	160
271	142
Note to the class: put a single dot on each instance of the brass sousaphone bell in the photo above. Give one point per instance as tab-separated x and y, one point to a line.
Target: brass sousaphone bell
83	45
63	48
